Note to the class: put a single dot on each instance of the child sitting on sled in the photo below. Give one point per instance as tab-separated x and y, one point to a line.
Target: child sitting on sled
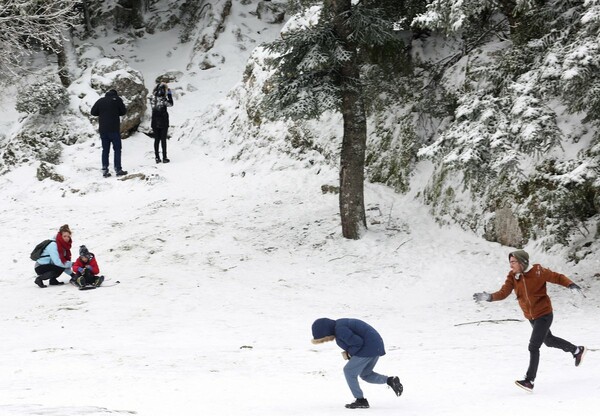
85	269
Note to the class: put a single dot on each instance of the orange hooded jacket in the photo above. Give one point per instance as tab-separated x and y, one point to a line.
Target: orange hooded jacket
530	288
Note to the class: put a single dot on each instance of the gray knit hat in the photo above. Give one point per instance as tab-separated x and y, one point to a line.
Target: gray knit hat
522	257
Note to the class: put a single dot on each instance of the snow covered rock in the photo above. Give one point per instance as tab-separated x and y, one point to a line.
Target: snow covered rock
271	11
107	74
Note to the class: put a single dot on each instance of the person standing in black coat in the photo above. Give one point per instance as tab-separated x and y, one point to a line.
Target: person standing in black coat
109	109
160	100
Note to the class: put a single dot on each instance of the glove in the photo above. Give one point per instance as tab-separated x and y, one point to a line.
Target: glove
80	270
88	267
345	355
478	297
575	289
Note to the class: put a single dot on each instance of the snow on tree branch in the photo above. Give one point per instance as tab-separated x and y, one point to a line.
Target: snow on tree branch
26	24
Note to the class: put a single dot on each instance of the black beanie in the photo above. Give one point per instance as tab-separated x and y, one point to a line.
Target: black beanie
83	251
522	257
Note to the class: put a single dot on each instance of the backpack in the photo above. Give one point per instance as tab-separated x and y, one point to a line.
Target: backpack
37	251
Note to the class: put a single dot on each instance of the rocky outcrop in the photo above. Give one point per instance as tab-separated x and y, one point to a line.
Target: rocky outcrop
504	228
271	11
107	74
211	23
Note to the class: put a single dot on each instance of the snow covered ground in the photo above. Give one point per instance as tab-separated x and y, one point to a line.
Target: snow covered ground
224	267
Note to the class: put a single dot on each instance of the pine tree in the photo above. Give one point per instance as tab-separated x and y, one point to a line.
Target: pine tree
318	68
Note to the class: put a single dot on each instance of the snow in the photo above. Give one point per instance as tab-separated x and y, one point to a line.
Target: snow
223	268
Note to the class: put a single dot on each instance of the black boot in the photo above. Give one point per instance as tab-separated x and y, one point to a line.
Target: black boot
54	282
394	383
165	159
358	404
157	159
39	282
81	282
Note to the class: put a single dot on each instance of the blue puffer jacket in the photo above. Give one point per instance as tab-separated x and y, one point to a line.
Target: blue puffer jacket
50	256
352	335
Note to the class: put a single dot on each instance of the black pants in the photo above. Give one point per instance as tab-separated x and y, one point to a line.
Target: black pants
49	271
88	276
160	136
541	335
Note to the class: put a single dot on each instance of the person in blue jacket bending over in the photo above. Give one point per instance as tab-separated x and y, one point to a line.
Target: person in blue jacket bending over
362	347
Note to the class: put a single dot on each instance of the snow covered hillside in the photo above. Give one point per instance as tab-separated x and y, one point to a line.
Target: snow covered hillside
224	266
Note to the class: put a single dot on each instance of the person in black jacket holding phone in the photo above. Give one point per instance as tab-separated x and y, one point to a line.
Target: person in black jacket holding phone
160	100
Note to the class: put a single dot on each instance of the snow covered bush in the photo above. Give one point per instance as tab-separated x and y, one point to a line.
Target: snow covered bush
392	151
42	97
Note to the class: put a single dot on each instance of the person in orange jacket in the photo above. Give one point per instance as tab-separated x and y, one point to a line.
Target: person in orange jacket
529	284
85	269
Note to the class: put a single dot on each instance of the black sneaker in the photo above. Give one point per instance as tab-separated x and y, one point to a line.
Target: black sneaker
106	173
39	282
98	281
165	160
121	172
525	385
394	383
358	404
579	355
157	160
54	282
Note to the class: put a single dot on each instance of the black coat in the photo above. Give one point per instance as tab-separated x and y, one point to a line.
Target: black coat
109	108
160	115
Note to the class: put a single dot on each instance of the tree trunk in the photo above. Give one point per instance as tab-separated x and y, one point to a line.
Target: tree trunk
63	65
352	166
352	159
86	17
507	7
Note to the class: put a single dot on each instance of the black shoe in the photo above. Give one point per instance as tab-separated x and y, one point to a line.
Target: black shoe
106	173
98	281
121	173
165	160
54	282
579	355
525	385
39	282
394	383
358	404
157	160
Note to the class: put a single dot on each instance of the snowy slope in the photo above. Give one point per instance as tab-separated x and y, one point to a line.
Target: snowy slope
223	269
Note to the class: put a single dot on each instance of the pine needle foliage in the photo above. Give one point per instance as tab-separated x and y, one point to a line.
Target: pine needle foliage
507	137
306	63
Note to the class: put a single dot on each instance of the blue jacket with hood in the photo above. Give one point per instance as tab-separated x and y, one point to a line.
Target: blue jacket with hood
352	335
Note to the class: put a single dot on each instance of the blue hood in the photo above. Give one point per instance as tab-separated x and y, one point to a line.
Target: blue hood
323	327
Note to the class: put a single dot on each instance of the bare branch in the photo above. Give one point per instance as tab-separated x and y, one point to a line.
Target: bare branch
29	24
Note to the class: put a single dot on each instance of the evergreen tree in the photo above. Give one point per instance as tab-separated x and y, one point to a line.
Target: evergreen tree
318	68
506	140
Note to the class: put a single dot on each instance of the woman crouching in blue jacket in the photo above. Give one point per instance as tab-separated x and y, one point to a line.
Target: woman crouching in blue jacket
55	259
